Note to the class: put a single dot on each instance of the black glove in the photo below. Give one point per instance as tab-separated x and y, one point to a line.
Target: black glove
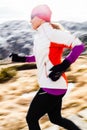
58	70
16	58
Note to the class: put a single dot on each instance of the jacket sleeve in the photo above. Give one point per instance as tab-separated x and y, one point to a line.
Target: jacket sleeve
75	53
77	47
30	59
60	37
67	39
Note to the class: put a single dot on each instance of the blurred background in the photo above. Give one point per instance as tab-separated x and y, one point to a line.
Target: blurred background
18	81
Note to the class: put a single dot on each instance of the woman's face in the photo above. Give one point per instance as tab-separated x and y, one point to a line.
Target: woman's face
36	22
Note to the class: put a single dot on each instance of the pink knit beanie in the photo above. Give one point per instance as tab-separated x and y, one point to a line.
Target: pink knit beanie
43	12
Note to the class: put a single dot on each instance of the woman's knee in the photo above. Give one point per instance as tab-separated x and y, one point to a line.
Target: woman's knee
30	118
27	118
55	119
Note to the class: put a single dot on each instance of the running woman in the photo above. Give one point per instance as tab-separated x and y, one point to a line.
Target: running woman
49	42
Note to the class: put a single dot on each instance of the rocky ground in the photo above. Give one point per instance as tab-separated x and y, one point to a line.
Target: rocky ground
17	93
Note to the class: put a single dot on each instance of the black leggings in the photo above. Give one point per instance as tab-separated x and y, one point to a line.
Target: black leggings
46	103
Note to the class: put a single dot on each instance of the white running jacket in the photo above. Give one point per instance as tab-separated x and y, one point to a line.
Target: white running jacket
48	48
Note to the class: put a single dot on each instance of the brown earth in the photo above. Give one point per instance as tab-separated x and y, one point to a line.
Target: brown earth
17	93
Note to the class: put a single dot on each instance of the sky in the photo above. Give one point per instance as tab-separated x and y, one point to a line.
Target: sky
70	10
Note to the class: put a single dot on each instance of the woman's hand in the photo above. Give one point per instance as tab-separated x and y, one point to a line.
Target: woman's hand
16	58
58	70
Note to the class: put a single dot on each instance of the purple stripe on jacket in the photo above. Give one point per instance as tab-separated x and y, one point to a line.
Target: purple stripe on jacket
74	54
30	59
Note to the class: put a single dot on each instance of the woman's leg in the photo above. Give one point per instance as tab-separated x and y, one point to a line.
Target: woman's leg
40	105
55	116
36	111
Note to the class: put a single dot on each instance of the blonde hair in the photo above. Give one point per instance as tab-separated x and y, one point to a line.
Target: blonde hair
57	26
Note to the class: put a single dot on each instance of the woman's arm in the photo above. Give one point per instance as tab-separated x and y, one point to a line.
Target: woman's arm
17	58
75	53
57	70
30	59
